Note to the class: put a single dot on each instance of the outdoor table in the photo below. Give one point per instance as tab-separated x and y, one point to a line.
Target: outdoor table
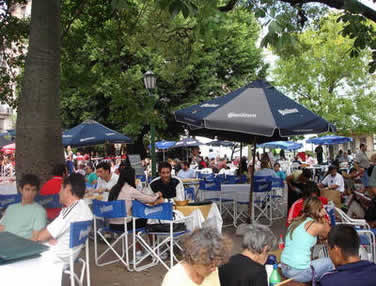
36	271
187	210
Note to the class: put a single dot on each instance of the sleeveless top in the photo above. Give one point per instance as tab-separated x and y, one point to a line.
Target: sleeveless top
297	251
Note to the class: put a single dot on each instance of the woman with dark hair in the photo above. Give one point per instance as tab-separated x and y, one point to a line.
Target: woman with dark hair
125	189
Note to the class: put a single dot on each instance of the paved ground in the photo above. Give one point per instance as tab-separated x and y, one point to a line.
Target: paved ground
116	274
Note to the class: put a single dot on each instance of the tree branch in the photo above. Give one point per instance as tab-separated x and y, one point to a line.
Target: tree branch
338	4
229	6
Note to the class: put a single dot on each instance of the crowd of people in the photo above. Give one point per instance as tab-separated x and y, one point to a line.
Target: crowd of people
206	254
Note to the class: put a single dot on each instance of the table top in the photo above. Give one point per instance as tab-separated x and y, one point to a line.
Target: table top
37	271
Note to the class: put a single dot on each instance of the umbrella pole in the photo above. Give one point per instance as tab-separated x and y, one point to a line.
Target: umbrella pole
164	159
250	206
241	150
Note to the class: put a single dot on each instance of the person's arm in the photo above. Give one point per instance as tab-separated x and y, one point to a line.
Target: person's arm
323	183
2	228
289	180
144	198
39	223
43	235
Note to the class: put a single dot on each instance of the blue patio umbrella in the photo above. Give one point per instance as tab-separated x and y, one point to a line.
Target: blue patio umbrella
256	112
91	132
285	145
164	145
329	140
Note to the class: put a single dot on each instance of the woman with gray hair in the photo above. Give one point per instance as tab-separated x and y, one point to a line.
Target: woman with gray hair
203	251
247	268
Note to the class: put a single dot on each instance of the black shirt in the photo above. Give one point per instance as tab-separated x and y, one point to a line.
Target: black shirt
242	271
168	190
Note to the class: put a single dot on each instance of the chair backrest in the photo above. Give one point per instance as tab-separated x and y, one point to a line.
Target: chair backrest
262	184
110	209
79	232
162	211
211	185
277	182
49	201
190	193
6	200
142	178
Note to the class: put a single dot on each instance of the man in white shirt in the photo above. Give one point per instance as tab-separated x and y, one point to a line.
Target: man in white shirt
333	181
185	172
57	233
106	179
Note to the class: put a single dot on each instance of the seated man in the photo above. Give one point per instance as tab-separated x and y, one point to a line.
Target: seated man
53	186
185	172
309	190
333	181
26	218
106	179
171	187
57	233
343	242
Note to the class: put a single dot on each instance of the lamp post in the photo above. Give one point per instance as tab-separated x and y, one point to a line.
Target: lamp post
150	84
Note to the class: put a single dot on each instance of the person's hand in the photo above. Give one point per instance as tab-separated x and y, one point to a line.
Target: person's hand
52	242
159	195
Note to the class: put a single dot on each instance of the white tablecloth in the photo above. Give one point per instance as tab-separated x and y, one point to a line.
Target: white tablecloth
8	188
38	271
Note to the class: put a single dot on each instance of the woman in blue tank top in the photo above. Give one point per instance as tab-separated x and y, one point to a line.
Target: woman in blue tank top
301	237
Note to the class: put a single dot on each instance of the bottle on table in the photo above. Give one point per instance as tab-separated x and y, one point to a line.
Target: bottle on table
275	278
281	243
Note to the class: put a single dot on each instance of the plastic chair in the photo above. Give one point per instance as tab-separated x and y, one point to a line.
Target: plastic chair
162	212
79	232
211	190
108	210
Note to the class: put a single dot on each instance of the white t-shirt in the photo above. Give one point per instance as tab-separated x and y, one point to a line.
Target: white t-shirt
337	180
102	184
60	230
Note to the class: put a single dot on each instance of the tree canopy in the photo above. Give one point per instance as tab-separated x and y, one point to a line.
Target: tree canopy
106	51
321	75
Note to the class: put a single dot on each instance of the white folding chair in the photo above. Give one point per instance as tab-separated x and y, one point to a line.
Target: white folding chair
162	242
262	208
109	210
366	234
79	232
278	203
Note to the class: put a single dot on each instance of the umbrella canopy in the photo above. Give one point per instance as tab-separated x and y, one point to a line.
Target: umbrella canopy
164	145
221	143
9	148
329	140
187	142
286	145
257	110
91	132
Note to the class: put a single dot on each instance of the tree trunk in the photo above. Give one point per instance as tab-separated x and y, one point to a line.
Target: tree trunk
39	138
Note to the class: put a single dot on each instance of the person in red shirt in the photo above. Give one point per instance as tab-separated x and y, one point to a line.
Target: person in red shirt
53	186
310	190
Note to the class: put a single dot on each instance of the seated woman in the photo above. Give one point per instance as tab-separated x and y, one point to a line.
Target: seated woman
203	250
300	238
247	268
278	171
265	171
125	189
